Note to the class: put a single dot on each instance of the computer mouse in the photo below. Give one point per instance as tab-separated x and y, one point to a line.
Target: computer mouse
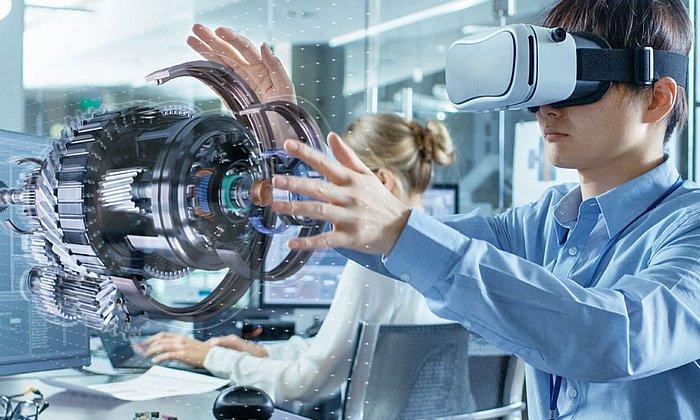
243	403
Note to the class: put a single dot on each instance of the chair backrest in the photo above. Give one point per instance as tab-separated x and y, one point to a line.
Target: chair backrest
497	382
427	371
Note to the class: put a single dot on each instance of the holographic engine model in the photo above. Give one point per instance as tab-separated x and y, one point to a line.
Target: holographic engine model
155	192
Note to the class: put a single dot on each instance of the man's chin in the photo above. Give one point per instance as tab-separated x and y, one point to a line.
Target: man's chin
565	165
561	162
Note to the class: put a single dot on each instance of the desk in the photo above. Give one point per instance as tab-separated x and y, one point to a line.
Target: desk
72	406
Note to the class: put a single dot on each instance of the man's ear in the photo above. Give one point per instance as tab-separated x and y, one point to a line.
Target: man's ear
387	178
662	100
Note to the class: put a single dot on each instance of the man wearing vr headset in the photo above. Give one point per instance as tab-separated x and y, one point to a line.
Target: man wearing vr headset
595	286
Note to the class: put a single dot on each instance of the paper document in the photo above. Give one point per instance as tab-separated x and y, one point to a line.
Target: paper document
156	382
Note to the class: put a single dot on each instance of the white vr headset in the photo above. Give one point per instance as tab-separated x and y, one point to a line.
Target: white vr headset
526	66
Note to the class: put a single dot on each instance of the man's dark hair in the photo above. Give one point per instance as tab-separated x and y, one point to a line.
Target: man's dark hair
660	24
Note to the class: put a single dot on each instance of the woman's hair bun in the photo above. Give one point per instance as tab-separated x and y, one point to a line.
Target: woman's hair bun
433	141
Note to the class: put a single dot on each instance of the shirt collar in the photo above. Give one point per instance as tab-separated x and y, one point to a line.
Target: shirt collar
625	202
566	213
620	205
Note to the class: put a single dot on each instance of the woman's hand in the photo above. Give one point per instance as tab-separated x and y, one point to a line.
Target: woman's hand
366	217
235	342
168	346
261	70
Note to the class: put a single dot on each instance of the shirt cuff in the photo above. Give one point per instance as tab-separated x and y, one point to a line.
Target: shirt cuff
219	361
424	251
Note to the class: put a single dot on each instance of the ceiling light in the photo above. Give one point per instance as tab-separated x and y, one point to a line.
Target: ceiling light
443	9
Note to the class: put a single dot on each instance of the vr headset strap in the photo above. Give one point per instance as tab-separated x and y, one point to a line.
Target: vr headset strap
642	66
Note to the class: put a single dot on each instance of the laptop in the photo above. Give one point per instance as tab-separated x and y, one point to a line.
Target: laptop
122	355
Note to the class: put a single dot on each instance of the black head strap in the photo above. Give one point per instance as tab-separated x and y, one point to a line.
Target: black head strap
641	66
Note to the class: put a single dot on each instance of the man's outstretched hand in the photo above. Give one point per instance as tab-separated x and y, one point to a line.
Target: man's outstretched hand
260	68
365	215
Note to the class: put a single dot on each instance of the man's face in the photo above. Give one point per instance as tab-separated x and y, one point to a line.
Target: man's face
595	136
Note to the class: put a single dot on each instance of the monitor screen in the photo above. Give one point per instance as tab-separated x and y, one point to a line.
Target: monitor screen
312	286
315	284
441	199
28	341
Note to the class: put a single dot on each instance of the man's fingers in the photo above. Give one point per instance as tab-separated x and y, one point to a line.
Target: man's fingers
345	155
199	46
311	209
273	64
202	32
220	47
278	75
208	37
240	44
318	189
325	240
204	50
321	162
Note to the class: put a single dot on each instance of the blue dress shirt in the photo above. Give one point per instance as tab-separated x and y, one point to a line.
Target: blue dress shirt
628	345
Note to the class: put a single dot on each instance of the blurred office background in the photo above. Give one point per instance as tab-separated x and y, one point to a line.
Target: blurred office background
347	58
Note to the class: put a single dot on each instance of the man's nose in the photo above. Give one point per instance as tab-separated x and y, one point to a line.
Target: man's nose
548	110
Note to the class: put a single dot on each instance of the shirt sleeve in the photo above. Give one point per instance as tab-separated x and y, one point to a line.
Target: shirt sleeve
504	232
647	324
289	349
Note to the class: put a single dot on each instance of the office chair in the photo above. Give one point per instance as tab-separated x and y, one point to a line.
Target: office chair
429	372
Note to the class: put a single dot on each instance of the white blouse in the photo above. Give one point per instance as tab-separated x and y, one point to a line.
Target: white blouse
310	369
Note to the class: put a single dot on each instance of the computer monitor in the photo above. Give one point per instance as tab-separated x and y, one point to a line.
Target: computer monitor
312	286
315	284
28	342
441	199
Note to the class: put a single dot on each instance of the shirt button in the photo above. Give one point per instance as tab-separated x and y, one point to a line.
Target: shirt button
572	393
573	251
405	277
